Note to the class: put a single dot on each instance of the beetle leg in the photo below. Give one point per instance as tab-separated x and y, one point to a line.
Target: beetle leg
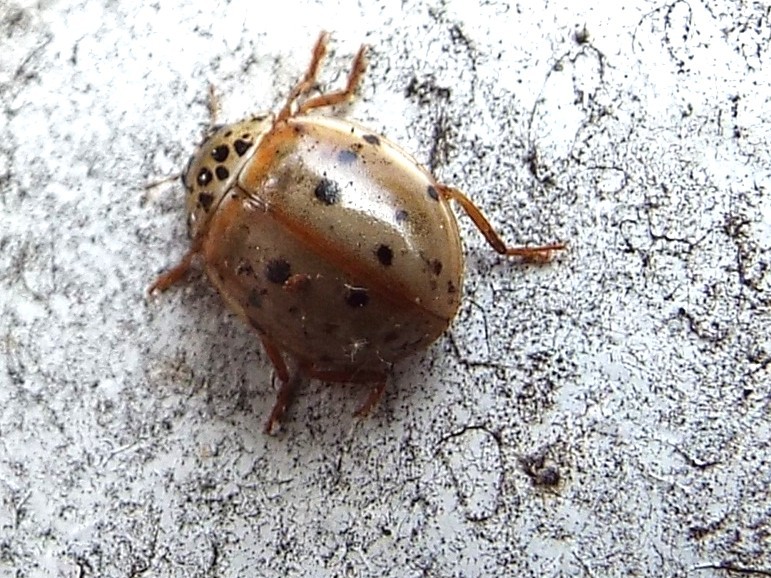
176	273
308	79
288	384
537	254
353	376
372	399
283	399
274	354
173	275
358	68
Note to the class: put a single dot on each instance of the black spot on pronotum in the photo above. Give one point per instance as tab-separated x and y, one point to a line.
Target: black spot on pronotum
327	191
347	156
402	216
278	271
205	200
222	173
356	297
436	266
204	177
385	255
220	153
432	192
372	139
241	146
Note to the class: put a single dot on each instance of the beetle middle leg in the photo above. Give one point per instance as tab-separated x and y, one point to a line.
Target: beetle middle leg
537	254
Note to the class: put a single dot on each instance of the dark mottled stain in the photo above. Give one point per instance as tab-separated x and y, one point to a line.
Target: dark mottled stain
436	267
241	146
205	200
451	288
347	157
433	284
385	255
220	153
372	139
325	359
278	271
327	191
402	216
204	177
330	328
293	309
356	297
255	299
432	192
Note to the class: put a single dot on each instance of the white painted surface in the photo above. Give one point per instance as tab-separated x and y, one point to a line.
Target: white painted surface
636	365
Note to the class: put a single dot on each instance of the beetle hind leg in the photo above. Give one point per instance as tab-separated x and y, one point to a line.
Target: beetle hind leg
289	383
376	378
536	254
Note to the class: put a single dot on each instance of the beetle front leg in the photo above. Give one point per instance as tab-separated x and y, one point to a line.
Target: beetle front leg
173	275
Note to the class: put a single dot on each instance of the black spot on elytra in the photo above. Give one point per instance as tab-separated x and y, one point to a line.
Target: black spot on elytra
347	157
220	153
356	297
245	268
385	255
205	200
402	216
241	146
278	271
432	192
204	177
222	173
436	266
327	191
372	139
229	134
255	299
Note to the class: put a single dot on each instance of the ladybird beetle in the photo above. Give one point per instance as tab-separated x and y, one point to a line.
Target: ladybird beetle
334	244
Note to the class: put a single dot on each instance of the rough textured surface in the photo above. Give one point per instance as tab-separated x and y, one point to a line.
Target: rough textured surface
604	415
